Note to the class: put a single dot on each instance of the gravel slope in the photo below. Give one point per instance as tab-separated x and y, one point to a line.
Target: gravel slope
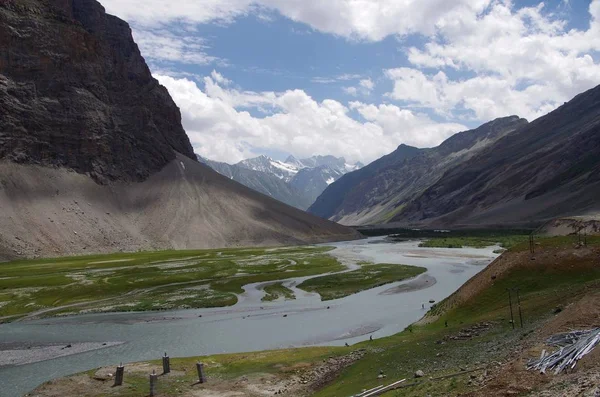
55	212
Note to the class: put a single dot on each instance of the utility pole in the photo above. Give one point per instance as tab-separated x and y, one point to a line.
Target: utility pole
512	319
519	306
531	244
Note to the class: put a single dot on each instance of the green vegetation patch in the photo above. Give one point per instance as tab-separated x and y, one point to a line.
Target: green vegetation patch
276	291
504	241
369	276
150	280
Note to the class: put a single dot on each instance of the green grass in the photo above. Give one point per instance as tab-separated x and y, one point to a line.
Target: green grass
151	280
504	241
276	291
369	276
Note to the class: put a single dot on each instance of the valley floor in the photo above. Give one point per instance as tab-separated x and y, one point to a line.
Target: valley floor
465	345
168	280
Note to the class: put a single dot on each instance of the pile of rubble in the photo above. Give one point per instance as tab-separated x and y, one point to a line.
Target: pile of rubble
470	332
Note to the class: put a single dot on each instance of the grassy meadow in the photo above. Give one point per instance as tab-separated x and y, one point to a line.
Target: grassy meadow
335	286
150	280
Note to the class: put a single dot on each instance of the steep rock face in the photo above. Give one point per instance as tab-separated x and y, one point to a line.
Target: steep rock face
547	169
75	92
381	190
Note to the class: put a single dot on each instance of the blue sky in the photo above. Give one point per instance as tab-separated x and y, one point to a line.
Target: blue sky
356	79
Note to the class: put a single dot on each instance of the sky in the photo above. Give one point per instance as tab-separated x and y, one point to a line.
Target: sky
357	78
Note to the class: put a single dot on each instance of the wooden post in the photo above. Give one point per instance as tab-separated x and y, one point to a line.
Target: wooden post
153	382
166	364
201	375
119	375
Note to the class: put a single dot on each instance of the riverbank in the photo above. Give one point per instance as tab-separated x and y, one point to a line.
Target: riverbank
467	345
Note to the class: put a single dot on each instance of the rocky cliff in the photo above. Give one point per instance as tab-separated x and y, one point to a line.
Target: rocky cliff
76	93
93	157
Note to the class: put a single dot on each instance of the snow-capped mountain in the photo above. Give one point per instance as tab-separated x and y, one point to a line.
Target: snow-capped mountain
295	182
276	168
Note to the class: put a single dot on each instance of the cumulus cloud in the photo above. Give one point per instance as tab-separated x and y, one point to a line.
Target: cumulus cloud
522	60
353	91
363	20
480	59
220	128
367	84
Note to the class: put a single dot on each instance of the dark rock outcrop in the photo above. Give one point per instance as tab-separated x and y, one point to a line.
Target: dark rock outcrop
76	93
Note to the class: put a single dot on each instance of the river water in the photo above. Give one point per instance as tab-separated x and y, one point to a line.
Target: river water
251	324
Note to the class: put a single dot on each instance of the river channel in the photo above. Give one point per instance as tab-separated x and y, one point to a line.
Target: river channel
250	325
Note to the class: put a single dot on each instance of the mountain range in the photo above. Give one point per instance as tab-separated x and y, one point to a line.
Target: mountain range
93	155
506	172
294	182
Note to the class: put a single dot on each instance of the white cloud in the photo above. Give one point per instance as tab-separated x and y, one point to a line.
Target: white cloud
365	86
165	45
336	79
357	19
218	77
353	91
523	61
298	124
508	60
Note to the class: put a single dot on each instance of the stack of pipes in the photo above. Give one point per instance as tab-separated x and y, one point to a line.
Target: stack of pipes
572	347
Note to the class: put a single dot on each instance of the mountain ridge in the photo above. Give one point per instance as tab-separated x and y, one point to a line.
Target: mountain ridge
548	168
372	195
297	182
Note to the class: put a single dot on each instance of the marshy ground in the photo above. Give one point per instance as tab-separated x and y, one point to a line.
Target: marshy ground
149	280
178	280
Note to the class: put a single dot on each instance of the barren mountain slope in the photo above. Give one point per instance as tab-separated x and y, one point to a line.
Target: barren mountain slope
547	169
49	212
75	92
379	191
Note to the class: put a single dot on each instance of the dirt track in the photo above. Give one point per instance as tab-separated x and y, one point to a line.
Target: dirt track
54	212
